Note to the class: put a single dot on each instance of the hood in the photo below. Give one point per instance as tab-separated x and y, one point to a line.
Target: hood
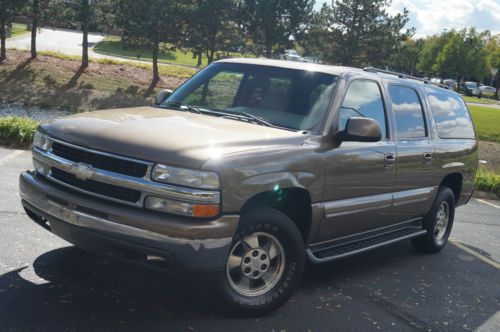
167	136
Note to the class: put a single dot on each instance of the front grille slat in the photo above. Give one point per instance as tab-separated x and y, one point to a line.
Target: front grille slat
100	188
99	161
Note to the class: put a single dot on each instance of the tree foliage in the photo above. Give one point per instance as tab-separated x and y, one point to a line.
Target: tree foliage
8	10
273	23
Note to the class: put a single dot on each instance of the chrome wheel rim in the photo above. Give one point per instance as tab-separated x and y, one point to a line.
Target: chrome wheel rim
255	264
442	219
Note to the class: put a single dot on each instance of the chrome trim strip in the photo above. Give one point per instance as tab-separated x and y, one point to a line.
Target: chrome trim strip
412	196
374	202
453	164
358	204
141	184
85	220
317	260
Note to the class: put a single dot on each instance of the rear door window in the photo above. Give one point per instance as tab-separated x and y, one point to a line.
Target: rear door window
408	112
450	114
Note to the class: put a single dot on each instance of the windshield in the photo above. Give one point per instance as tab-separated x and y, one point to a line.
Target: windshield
279	97
471	85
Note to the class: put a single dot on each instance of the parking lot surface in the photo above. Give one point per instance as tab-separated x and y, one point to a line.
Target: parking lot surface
47	284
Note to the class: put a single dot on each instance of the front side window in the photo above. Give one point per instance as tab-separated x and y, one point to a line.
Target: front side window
286	98
408	112
363	99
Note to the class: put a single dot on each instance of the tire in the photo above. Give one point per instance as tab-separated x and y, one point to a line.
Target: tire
267	225
438	230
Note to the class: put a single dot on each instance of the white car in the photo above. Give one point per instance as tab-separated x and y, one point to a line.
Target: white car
487	90
291	55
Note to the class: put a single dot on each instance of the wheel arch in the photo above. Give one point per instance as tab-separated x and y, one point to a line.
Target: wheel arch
454	181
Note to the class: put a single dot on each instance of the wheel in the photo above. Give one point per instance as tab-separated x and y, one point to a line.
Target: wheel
438	222
264	266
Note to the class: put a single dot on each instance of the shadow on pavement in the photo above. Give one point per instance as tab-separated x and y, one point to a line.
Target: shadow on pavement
392	288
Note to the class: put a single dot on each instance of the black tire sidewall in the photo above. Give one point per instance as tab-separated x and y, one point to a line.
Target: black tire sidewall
444	194
280	226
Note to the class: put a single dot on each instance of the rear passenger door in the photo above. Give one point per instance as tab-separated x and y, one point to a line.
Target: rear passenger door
413	189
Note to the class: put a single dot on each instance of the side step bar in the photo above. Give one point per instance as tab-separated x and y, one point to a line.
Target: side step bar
326	254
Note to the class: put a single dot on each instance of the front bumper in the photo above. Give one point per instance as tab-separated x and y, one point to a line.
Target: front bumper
184	247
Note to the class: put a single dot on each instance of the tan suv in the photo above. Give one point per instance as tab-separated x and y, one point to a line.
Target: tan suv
253	167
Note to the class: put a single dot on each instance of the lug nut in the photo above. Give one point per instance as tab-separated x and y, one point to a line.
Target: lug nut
255	253
263	257
256	273
247	270
246	260
263	267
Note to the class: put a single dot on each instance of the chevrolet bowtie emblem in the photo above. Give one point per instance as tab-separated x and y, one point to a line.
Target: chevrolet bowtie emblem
82	171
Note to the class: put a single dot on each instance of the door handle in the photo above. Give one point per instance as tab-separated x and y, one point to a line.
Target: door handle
389	160
427	158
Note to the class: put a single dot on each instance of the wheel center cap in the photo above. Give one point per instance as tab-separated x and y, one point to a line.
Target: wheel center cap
255	263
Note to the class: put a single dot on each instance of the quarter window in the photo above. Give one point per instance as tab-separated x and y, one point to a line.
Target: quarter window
363	99
408	112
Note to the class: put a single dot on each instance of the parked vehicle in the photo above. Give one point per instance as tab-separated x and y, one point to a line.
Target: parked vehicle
451	83
254	166
291	55
488	91
470	89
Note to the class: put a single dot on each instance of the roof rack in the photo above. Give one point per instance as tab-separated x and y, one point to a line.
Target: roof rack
404	76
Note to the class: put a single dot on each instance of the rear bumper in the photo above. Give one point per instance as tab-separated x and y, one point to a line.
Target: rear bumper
183	247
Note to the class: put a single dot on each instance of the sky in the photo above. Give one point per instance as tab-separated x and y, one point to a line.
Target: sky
434	16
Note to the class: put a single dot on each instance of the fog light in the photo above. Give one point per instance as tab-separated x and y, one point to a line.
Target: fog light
181	208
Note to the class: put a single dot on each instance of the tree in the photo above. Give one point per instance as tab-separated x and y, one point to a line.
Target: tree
463	55
8	10
35	13
273	23
147	23
210	23
85	29
406	57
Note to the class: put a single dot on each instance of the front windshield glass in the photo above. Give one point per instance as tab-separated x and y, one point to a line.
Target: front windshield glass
280	97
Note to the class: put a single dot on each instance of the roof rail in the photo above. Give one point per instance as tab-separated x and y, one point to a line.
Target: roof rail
405	76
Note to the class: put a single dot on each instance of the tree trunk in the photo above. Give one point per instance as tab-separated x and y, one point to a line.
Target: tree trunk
3	37
85	28
200	58
34	28
156	46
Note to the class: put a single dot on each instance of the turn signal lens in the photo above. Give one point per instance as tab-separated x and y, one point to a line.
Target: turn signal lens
205	211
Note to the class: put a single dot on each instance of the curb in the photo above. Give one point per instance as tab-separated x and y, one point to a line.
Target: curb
485	195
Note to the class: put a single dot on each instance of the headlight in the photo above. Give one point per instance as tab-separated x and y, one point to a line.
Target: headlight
181	208
185	177
41	141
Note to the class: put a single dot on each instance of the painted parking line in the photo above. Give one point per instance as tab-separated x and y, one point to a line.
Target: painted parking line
10	157
489	203
476	254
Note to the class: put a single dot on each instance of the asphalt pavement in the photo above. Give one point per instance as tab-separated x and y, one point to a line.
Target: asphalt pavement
47	284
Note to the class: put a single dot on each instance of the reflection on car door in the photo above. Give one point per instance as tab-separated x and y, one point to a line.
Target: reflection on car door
415	150
359	176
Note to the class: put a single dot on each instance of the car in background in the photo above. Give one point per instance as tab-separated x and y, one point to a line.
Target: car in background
487	90
451	83
291	55
470	89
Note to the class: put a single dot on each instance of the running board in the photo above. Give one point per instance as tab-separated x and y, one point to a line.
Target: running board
326	254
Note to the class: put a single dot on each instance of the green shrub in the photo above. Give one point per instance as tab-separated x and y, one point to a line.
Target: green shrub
487	181
17	131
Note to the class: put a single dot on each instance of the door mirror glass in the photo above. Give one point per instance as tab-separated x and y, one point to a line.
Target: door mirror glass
162	96
361	130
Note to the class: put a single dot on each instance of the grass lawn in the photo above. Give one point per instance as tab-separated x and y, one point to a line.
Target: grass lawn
487	122
477	100
113	46
18	30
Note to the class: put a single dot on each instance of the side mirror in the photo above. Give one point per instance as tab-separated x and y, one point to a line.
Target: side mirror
162	95
361	130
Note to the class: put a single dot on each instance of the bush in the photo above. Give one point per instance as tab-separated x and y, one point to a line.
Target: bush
17	131
487	181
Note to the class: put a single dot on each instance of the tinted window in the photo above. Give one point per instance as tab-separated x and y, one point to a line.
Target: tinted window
407	112
295	99
450	114
363	99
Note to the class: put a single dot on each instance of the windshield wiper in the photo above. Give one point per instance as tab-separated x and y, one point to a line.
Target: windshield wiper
182	106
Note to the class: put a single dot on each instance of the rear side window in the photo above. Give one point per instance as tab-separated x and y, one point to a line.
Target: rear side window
450	114
363	99
410	123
